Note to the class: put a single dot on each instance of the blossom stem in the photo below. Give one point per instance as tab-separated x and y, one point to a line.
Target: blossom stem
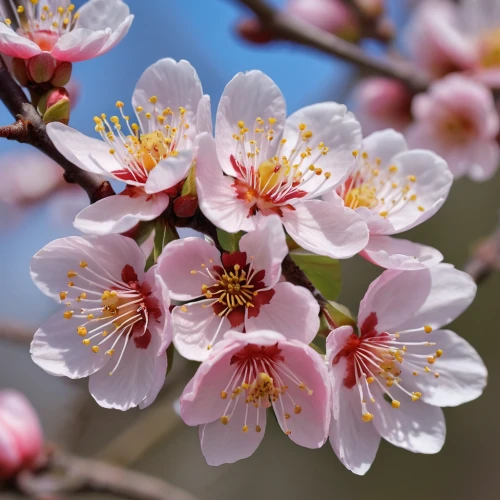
286	27
29	128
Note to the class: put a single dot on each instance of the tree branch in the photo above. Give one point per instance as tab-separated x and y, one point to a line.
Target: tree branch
66	474
289	28
486	258
29	128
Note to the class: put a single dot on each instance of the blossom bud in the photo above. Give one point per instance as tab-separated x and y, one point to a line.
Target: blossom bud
185	206
41	67
328	15
19	71
21	439
253	31
55	106
62	74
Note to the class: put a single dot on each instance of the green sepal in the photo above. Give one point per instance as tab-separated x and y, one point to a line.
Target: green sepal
229	241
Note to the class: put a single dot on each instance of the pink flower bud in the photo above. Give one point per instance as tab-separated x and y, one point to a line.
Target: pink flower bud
62	74
57	106
253	31
41	67
19	71
329	15
21	438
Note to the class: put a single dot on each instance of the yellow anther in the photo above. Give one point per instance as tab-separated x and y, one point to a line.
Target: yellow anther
302	126
167	111
427	369
415	373
104	333
223	395
367	417
83	295
90	316
71	8
421	208
384	214
431	359
70	283
439	353
153	99
148	116
82	331
72	274
245	428
370	380
95	348
20	9
375	172
110	352
318	171
85	341
415	396
139	109
328	175
60	10
184	309
68	314
364	155
193	271
119	104
436	375
241	124
297	409
355	153
112	151
286	415
412	178
307	134
271	120
63	295
428	329
224	419
393	169
258	428
395	403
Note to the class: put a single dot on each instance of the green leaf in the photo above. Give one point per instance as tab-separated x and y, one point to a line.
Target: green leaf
170	357
164	234
325	273
229	241
340	314
189	186
143	231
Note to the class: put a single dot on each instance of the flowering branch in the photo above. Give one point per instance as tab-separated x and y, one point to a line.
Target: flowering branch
289	28
486	258
70	474
29	128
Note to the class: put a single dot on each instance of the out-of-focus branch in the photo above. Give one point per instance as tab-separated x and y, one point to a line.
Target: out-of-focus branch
289	28
16	332
486	258
67	474
29	128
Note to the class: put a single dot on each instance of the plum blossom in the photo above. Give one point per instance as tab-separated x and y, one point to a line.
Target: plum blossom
391	380
445	36
395	189
152	157
246	374
21	437
53	26
240	291
115	326
382	103
278	166
457	119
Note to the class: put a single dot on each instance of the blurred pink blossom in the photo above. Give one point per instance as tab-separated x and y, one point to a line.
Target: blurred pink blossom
458	120
382	103
21	438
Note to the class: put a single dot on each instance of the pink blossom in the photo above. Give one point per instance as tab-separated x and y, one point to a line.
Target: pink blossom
394	189
445	36
277	166
392	379
457	119
21	439
49	26
333	16
246	374
382	103
240	291
152	157
112	309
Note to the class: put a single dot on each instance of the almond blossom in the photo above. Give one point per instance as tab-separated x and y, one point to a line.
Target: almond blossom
53	26
115	323
240	290
277	166
445	36
246	374
391	379
151	156
457	118
394	189
21	438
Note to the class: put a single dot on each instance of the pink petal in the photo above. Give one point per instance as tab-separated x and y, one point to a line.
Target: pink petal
117	36
195	327
326	228
179	258
14	45
293	312
486	158
384	145
226	444
80	44
267	248
204	116
58	349
119	213
158	381
169	172
394	253
133	380
246	97
337	128
216	195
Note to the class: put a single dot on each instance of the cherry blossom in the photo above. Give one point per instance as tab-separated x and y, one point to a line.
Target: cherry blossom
395	189
53	26
115	326
246	374
278	166
391	380
240	290
21	438
152	157
457	119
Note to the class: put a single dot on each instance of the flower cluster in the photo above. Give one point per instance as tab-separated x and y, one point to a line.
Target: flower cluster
262	184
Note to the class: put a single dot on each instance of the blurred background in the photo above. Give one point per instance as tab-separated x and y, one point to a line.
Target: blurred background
155	440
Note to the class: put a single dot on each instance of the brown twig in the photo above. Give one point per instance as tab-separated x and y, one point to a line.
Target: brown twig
289	28
16	332
29	128
486	258
67	474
